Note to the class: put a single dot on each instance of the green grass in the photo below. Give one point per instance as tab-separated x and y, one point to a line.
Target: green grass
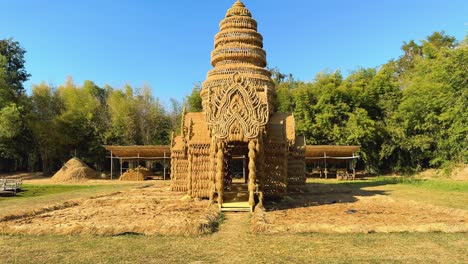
35	190
428	184
302	248
439	192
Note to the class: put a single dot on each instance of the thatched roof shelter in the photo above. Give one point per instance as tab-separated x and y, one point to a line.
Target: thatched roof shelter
330	151
140	152
326	156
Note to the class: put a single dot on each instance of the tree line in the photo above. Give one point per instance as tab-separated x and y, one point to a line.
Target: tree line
40	131
408	114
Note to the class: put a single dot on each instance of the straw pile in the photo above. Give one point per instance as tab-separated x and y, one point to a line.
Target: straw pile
137	174
352	213
74	170
151	210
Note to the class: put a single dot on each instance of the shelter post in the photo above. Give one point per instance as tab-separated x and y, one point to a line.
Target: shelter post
112	166
325	164
353	164
120	167
164	166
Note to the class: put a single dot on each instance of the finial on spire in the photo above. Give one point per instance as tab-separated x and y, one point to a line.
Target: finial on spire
239	3
238	8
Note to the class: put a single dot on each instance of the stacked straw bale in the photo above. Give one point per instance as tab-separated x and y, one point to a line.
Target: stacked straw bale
137	174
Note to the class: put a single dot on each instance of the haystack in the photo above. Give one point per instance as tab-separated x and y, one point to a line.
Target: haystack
74	170
137	174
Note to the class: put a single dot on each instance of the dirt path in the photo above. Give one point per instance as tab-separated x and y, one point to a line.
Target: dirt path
234	226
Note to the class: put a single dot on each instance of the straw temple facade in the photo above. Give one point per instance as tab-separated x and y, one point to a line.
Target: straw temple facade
238	140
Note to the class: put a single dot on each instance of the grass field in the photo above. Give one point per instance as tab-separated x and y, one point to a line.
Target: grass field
234	243
248	248
441	192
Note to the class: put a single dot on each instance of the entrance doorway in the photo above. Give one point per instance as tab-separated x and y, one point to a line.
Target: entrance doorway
236	159
238	169
236	176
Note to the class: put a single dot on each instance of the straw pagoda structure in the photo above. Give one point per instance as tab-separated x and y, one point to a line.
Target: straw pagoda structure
238	132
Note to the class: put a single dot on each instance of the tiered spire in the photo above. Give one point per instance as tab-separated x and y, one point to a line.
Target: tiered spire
238	48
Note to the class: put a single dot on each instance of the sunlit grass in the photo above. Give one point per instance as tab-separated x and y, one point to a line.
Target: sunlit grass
35	190
432	184
248	248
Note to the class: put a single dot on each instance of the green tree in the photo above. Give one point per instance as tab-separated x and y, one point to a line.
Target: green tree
44	124
136	118
428	126
14	141
123	129
175	115
194	100
80	121
13	70
153	122
10	122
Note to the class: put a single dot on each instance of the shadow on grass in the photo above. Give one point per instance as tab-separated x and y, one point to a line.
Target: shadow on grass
321	193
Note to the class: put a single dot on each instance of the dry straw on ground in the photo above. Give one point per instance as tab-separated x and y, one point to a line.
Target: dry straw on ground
138	174
367	214
150	211
74	170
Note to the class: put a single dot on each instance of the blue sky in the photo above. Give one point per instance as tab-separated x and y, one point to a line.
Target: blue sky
167	44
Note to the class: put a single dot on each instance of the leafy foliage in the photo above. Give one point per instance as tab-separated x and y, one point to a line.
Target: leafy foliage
13	71
13	104
194	100
409	114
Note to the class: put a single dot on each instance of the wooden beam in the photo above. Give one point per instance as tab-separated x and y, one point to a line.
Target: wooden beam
331	157
143	158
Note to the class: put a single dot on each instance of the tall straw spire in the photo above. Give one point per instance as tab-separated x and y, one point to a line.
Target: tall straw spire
238	49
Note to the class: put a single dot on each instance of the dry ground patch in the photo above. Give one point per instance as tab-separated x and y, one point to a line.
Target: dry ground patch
144	210
39	192
362	207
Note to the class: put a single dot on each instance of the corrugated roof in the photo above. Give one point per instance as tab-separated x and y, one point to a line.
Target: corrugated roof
148	151
316	151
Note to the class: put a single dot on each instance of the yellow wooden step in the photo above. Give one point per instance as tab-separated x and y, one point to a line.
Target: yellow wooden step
236	210
236	204
236	207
